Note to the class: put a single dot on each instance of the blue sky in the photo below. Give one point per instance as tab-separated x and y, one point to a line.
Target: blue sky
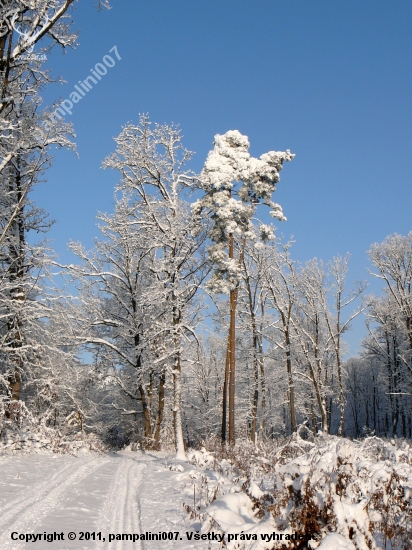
331	81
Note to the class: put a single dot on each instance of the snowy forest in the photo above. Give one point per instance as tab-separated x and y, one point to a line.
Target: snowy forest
189	325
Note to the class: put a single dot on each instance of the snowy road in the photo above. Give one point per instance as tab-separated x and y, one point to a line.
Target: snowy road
124	493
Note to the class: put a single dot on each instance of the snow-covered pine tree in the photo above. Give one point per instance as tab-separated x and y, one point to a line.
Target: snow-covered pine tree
231	206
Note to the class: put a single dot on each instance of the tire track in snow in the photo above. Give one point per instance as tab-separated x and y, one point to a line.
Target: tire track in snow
19	495
5	460
24	515
121	511
17	505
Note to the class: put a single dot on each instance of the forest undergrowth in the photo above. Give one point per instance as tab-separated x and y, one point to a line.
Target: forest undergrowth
21	432
354	494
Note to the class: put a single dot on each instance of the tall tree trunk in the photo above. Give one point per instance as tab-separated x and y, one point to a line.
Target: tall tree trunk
313	418
160	408
255	403
263	390
232	344
177	380
262	372
291	385
232	364
224	401
339	368
143	397
146	413
390	381
255	344
17	257
177	411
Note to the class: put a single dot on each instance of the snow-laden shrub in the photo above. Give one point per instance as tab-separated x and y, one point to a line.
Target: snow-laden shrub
351	494
202	458
345	487
20	432
29	440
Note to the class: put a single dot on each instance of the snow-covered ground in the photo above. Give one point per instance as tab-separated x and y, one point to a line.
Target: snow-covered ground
119	493
332	492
